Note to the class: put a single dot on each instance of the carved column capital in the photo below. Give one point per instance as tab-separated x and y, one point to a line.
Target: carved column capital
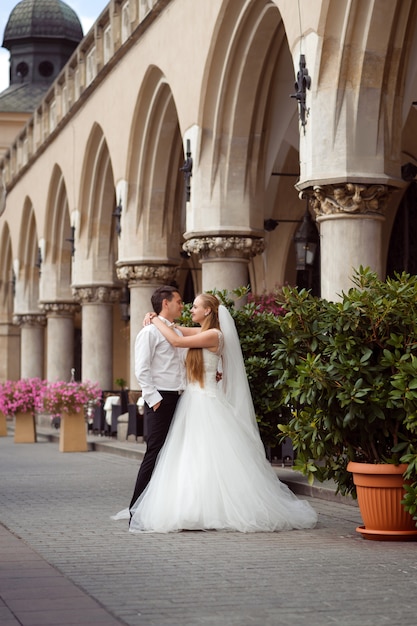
146	273
60	309
349	199
29	319
225	247
96	294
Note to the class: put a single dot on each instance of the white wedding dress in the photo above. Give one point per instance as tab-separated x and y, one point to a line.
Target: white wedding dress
212	472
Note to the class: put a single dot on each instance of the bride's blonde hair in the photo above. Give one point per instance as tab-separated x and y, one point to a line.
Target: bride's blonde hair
194	361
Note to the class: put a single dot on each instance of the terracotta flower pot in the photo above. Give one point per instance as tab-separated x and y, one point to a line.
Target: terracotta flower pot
3	425
73	433
380	489
25	428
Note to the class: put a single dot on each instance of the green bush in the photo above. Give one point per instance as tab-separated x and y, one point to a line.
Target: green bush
349	371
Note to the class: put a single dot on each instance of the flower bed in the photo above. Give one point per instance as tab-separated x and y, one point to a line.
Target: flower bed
62	397
33	395
21	396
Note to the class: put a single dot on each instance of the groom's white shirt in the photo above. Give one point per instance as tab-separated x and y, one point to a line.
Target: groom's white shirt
158	365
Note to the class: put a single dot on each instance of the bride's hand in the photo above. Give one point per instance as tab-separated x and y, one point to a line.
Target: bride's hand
148	318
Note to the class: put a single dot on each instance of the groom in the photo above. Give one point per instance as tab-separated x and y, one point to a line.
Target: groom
160	372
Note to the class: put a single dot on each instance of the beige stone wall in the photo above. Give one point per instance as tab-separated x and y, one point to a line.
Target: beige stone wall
215	78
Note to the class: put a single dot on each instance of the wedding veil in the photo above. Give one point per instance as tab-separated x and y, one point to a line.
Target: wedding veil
234	379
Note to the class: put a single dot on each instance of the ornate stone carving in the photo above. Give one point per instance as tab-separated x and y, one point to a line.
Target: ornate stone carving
29	319
132	272
96	294
225	247
65	309
349	198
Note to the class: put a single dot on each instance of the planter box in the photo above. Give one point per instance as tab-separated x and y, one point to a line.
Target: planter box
73	433
3	425
25	428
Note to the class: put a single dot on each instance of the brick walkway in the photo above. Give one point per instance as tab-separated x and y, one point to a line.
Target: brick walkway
64	561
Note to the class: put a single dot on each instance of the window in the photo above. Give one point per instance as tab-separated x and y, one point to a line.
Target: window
52	116
65	100
125	22
22	70
77	84
46	69
108	45
91	69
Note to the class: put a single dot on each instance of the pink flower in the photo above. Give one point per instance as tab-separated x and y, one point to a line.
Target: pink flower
21	396
62	397
266	303
31	395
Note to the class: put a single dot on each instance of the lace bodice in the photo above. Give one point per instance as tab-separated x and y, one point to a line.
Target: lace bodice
212	364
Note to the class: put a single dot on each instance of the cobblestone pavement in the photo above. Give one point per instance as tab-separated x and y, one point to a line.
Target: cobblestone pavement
57	507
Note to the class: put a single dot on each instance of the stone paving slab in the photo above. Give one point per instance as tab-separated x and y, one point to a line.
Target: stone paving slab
136	449
59	505
34	593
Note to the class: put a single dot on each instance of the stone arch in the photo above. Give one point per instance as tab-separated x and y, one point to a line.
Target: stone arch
249	55
250	133
27	278
367	79
7	279
156	205
96	243
9	334
400	234
56	261
360	79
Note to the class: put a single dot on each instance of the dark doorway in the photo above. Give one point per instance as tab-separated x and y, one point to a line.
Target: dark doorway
402	251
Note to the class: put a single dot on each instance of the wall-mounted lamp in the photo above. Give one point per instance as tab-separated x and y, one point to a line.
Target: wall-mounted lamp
117	213
124	304
408	171
302	83
187	168
306	240
38	263
72	240
270	225
13	283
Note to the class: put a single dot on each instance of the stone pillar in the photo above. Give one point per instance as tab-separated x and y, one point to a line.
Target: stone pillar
60	339
350	217
10	352
224	259
142	280
31	344
97	332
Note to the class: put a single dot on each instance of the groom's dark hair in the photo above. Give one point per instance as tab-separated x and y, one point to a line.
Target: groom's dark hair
166	292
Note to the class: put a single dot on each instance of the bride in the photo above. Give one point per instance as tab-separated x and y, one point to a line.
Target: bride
212	472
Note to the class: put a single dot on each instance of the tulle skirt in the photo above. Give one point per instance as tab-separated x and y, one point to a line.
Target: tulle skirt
212	474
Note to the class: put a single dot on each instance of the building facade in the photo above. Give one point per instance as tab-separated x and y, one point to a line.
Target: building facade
183	141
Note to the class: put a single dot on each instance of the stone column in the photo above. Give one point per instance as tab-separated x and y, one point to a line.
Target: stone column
97	332
60	339
350	217
31	344
10	352
142	280
224	259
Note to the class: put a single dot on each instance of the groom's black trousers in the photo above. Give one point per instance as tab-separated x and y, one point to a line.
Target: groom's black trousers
158	425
